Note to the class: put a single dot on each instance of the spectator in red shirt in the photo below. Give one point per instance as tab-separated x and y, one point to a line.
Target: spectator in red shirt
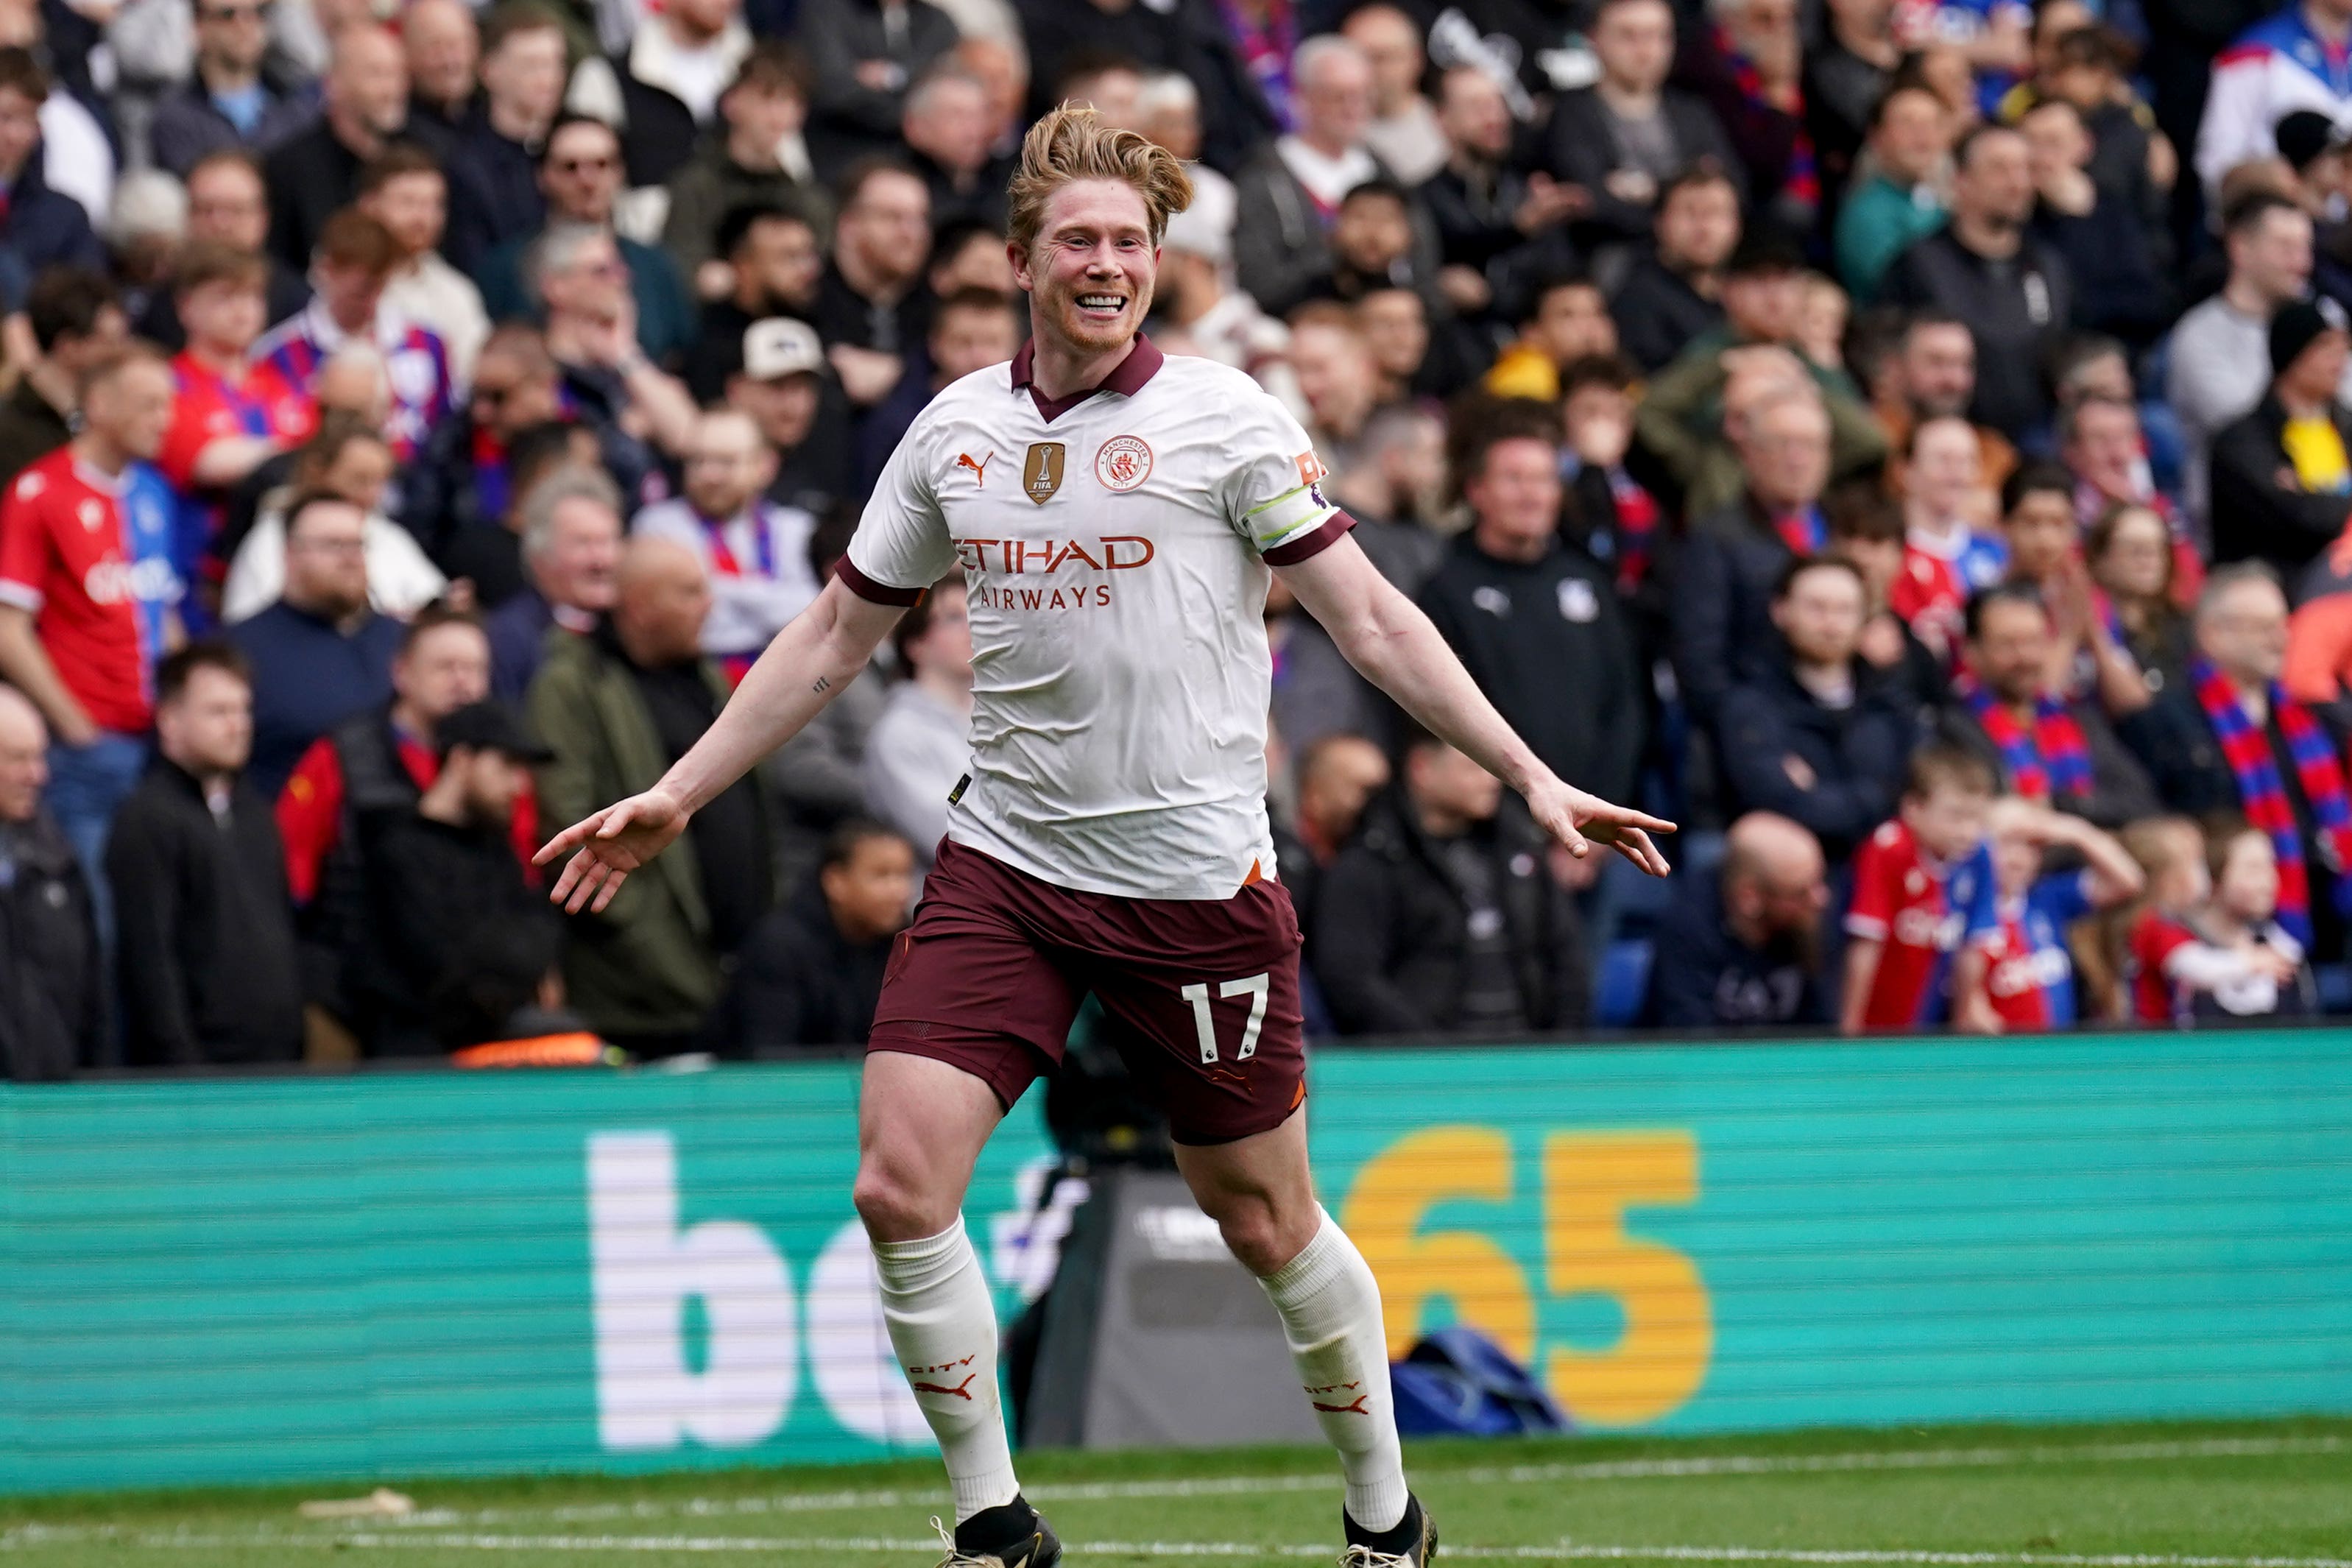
88	597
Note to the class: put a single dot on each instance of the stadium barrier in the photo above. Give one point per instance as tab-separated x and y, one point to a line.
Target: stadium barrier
254	1279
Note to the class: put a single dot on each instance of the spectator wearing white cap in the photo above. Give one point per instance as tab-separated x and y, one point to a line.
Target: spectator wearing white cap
782	387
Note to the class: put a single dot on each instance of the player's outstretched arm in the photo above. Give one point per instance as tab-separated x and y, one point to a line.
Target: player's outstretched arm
821	651
1394	645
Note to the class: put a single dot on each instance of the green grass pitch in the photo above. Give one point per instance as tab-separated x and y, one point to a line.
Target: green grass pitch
2201	1495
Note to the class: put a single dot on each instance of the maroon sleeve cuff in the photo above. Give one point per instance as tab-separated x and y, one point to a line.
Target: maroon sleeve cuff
875	592
1306	549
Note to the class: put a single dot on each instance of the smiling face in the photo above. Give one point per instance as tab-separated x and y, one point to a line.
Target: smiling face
1089	275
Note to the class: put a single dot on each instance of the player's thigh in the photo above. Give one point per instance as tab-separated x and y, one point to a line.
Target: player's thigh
1259	1192
1203	999
921	1124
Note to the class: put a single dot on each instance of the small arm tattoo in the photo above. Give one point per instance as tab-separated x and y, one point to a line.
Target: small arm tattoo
823	686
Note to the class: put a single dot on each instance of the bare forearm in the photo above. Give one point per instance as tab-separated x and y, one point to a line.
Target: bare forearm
24	663
805	668
666	405
1395	648
1862	957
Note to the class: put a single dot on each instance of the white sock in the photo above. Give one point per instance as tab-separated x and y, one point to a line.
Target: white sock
1330	1309
943	1323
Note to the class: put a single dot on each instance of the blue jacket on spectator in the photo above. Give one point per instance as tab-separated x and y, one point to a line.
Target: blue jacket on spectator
45	228
308	676
1838	770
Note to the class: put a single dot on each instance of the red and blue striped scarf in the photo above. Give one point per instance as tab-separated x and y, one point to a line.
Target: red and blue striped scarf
2247	748
2042	764
1802	180
1637	529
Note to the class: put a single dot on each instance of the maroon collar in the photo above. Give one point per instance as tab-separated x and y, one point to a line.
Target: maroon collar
1125	378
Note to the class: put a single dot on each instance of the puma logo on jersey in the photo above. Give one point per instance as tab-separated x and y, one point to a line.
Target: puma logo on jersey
979	469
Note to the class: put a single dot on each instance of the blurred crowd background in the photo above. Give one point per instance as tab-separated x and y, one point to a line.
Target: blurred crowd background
1903	440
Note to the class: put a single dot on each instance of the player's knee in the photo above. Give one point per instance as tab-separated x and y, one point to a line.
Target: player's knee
1255	1236
895	1208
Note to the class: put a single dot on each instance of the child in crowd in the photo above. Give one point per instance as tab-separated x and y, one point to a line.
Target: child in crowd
1619	516
2013	973
1918	885
2164	960
2243	913
1947	552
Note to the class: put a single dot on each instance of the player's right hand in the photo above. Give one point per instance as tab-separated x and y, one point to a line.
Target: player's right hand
607	847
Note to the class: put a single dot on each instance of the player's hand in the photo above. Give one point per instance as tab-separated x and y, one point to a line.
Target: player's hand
1579	821
607	847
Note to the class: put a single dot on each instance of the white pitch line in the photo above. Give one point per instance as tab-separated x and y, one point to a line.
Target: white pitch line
1564	1550
1481	1475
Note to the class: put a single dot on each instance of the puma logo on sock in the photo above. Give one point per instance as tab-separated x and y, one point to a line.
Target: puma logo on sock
963	1390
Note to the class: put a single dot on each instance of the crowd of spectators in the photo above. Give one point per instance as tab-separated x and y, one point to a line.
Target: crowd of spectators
1906	441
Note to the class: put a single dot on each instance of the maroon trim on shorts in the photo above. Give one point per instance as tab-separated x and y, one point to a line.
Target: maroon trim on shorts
1306	549
874	592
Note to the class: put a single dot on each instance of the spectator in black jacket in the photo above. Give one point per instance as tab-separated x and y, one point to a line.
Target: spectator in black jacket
863	57
1822	738
1983	267
1497	229
1727	568
1522	609
38	227
494	195
2282	479
316	175
1443	917
49	967
231	98
811	972
207	934
76	322
1622	139
1742	950
1675	292
442	880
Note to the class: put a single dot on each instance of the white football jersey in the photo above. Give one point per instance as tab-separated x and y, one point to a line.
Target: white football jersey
1116	556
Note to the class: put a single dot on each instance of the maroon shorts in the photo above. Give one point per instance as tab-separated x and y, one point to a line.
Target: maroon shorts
1201	995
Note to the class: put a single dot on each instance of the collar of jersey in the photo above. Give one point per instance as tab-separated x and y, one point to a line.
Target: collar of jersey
1125	378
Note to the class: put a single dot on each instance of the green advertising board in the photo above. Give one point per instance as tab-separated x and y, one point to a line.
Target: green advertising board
438	1273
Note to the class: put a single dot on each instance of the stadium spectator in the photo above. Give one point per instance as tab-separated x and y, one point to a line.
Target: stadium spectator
618	705
1611	515
2101	443
227	205
206	948
1623	138
1567	318
571	549
2219	351
50	968
365	109
2229	739
75	323
782	385
810	971
1498	228
1984	268
1950	549
2044	746
1742	949
2013	974
1901	202
2241	916
493	169
872	308
2130	554
320	653
462	484
1372	245
346	459
1518	606
1395	490
1338	774
2114	257
772	261
1673	291
864	56
949	137
403	190
1290	192
598	342
443	48
1441	916
1337	379
444	893
972	330
1916	884
1730	564
356	258
755	158
921	743
755	552
1820	739
2265	74
662	84
1932	374
232	98
1403	133
1848	71
2173	974
2283	475
87	612
40	225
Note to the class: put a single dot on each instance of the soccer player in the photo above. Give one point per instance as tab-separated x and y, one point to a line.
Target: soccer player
1115	515
1918	884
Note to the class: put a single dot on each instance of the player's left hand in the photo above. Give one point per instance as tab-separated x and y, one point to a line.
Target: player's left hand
1579	821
